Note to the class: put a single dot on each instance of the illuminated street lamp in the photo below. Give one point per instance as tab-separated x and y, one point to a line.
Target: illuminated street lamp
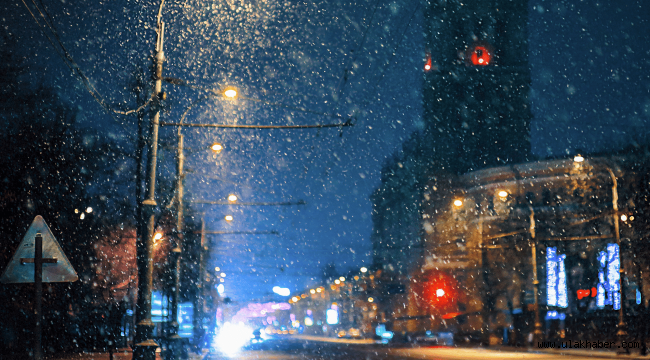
228	218
230	93
503	194
232	198
364	269
458	202
578	158
216	148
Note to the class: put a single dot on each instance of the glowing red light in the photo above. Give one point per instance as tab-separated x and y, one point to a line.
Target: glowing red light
481	56
427	65
594	292
583	293
439	290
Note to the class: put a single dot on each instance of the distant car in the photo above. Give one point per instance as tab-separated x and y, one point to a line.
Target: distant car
354	333
341	333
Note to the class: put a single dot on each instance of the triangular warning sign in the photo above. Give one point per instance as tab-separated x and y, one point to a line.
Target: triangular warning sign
21	270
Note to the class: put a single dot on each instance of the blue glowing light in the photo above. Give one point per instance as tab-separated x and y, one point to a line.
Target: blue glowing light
556	285
609	278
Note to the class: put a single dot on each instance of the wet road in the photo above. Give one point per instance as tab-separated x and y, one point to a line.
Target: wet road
300	349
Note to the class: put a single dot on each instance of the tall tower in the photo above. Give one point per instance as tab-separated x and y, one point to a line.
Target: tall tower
476	86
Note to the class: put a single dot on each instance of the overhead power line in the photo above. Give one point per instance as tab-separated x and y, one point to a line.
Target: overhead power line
282	203
216	94
237	126
63	52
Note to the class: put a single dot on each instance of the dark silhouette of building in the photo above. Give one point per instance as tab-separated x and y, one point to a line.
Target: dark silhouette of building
476	112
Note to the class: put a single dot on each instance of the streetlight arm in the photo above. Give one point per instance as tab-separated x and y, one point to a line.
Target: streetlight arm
237	126
285	203
245	232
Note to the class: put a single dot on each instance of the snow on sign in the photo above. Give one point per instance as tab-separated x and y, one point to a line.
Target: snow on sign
55	265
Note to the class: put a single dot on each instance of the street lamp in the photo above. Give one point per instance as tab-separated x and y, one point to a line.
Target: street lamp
537	330
174	339
216	147
621	333
144	346
228	218
230	93
232	198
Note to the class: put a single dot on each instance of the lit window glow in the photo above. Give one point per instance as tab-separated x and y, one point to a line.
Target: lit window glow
481	56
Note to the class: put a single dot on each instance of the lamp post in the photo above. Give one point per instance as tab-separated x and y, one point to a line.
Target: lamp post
537	331
145	346
621	332
175	340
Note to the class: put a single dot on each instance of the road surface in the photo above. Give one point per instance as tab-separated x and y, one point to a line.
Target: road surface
303	349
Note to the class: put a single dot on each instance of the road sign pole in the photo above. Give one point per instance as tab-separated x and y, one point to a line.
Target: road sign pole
38	285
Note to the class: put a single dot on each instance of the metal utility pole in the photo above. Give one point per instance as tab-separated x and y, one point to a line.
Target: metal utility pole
621	333
538	334
145	346
199	303
175	341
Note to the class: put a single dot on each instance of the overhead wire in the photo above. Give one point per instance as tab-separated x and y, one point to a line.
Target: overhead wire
344	78
63	52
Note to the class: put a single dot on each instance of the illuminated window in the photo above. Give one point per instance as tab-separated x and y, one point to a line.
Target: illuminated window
556	286
481	56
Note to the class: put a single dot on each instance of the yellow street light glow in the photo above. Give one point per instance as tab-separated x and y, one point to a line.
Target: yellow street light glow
458	202
319	290
370	299
230	93
222	274
221	280
342	278
157	236
578	158
623	217
312	291
232	198
217	269
364	269
503	194
228	217
216	147
89	209
337	281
